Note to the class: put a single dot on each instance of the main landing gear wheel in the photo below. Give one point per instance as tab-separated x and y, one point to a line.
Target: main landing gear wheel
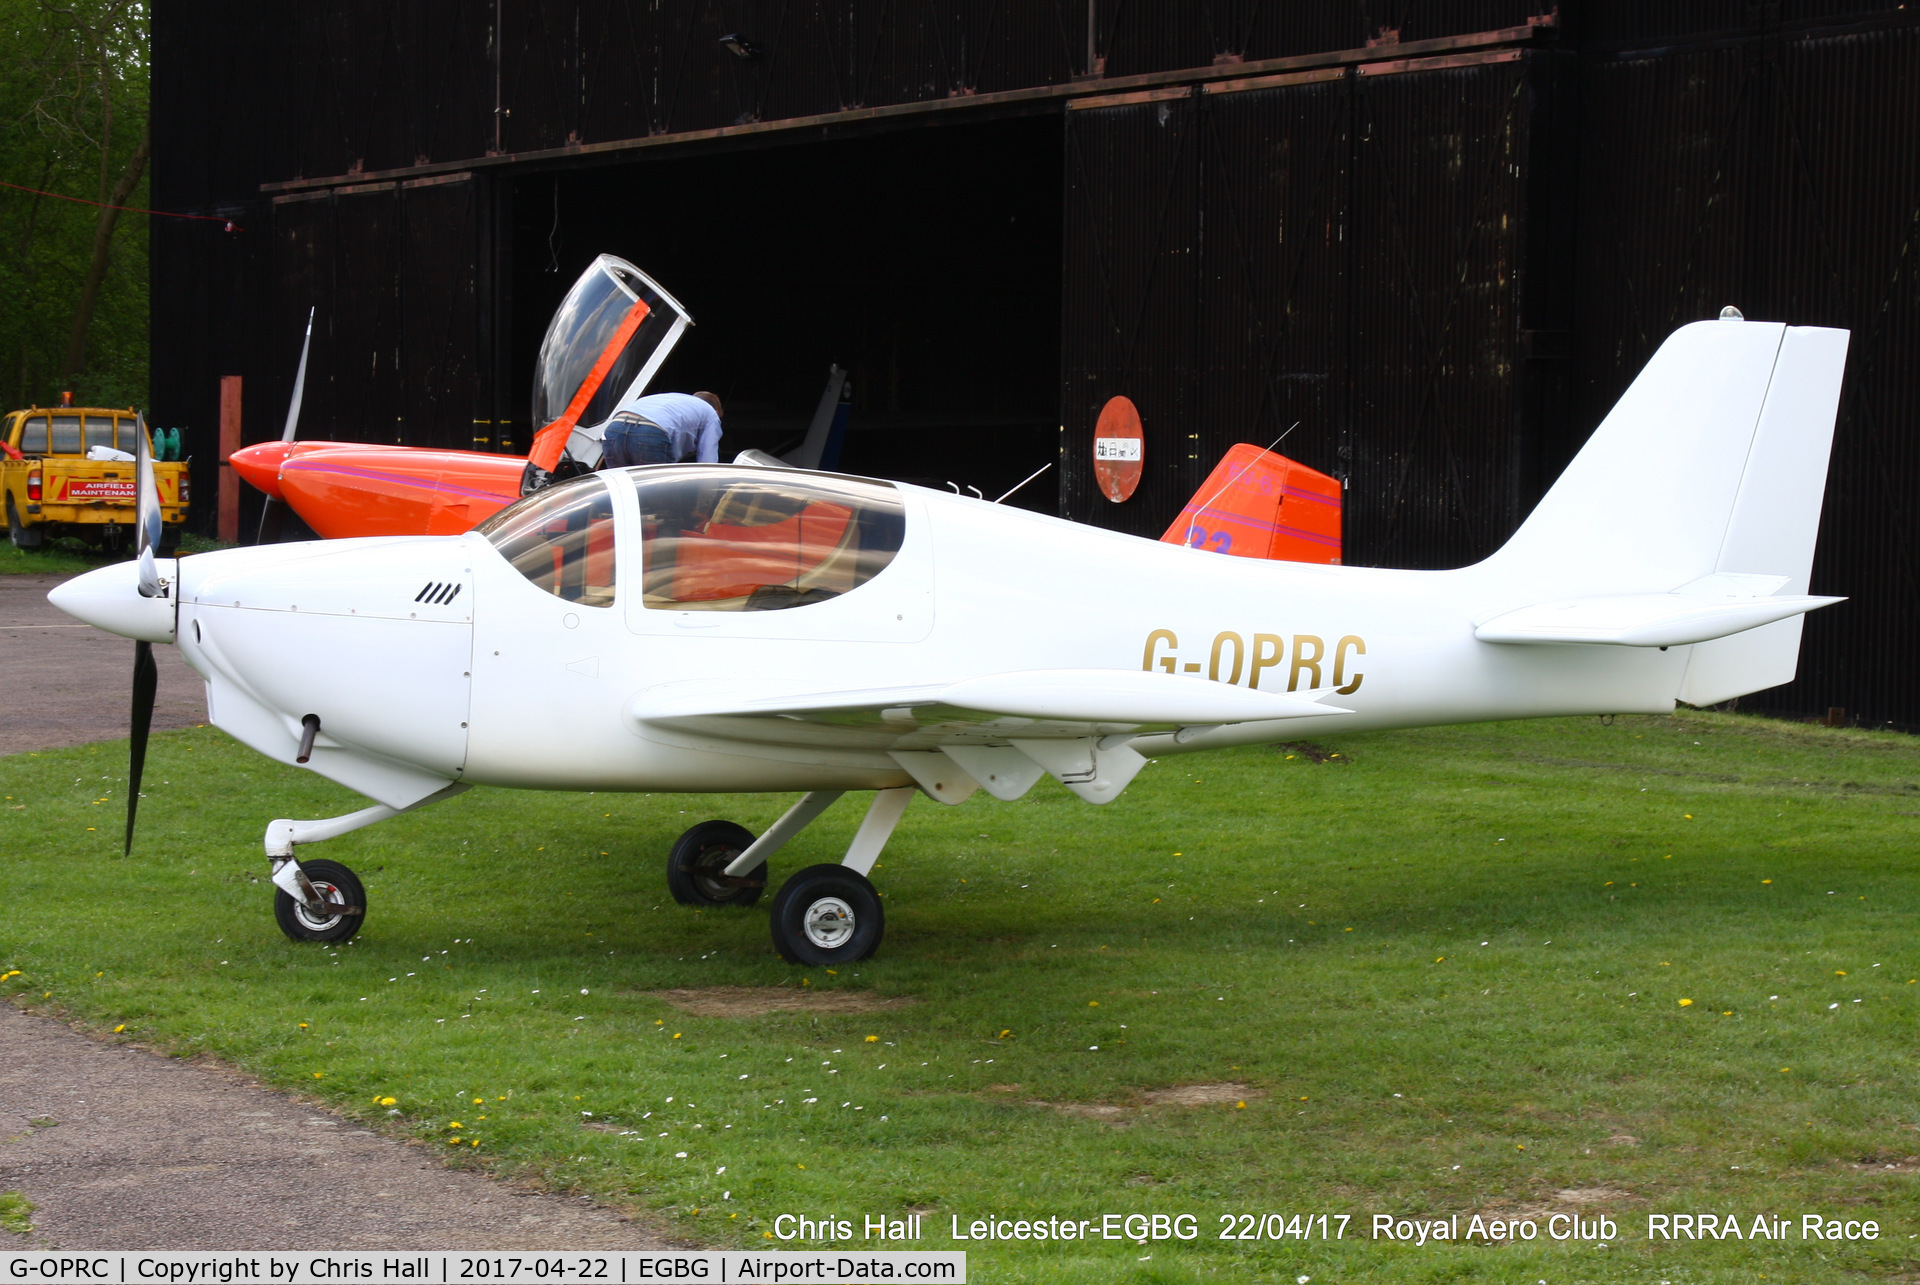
827	914
696	867
337	886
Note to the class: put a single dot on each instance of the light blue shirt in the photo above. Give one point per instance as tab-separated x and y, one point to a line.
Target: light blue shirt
691	426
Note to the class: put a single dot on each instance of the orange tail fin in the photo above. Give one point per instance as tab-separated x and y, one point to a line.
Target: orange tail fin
1256	504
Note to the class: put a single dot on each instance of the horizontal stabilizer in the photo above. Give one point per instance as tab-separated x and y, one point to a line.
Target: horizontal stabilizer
1712	607
1121	696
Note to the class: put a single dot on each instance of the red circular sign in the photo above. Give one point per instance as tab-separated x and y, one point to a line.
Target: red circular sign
1119	449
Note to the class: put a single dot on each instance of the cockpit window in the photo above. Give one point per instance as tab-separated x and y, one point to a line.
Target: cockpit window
725	539
561	538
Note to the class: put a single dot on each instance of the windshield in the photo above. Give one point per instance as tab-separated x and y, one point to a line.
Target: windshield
724	539
589	319
560	538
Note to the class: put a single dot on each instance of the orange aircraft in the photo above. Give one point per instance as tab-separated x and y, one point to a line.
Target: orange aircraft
610	335
603	346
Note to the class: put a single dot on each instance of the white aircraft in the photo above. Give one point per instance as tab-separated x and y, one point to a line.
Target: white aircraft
748	628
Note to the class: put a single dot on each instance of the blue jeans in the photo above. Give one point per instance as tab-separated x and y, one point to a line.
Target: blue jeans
629	441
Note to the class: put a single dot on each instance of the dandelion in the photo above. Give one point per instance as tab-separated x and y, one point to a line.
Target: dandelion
455	1124
1686	1003
1839	972
1766	881
676	1035
120	1028
303	1026
1003	1035
319	1075
386	1102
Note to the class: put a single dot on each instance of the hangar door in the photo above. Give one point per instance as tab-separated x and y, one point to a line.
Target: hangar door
1339	257
390	269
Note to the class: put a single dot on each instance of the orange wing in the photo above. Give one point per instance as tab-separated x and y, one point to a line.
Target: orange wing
349	489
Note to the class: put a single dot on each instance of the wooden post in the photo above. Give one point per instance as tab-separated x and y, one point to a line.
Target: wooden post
229	443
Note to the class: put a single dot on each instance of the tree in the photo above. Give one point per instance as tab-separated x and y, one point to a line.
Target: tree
73	122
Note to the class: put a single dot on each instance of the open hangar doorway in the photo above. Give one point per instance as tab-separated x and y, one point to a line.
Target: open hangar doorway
924	261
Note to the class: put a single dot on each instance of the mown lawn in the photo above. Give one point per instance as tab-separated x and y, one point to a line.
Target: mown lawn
1654	967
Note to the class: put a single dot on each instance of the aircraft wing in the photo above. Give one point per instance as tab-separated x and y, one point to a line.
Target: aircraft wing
1001	730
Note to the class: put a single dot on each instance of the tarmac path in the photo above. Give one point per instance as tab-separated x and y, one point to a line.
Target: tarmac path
73	683
119	1148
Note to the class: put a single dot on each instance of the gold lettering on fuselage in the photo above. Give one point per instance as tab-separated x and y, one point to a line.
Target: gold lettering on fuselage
1356	644
1307	650
1231	657
1220	640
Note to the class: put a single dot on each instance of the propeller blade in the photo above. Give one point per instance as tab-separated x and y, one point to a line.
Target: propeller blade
299	382
146	680
146	520
270	512
269	522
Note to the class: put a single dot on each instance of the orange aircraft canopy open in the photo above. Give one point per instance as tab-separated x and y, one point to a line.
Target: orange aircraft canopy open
1256	504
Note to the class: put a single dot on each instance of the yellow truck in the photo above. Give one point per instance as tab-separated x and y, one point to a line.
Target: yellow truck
69	470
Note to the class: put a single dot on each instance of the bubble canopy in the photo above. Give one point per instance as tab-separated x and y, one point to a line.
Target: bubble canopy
712	538
605	342
725	539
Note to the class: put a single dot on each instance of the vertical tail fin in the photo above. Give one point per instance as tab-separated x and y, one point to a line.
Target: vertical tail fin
1259	504
1715	460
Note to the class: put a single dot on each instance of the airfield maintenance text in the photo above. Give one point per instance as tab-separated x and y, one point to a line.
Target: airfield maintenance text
728	1267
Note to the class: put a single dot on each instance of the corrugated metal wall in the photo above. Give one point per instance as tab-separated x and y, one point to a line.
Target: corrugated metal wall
1781	174
393	276
381	87
1337	260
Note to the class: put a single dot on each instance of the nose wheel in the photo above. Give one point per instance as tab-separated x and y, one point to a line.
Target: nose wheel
827	914
336	913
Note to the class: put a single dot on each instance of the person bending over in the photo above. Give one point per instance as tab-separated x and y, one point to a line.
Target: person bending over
663	428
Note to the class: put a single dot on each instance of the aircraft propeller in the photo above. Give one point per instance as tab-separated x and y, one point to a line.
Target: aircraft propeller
146	675
270	512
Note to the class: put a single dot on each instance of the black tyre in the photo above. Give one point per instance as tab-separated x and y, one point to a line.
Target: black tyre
337	886
697	863
827	915
23	537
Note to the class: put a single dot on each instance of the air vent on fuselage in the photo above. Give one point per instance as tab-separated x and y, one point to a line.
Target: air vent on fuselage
438	594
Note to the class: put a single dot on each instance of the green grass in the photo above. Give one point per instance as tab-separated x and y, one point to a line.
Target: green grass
61	558
16	1213
1449	965
70	556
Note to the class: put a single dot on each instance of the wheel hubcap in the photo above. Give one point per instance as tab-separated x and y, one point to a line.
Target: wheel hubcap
829	923
707	870
320	923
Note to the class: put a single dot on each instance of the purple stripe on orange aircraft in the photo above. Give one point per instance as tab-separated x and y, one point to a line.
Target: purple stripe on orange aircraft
357	489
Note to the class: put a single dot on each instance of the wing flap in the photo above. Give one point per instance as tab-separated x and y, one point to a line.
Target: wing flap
1073	695
1048	703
